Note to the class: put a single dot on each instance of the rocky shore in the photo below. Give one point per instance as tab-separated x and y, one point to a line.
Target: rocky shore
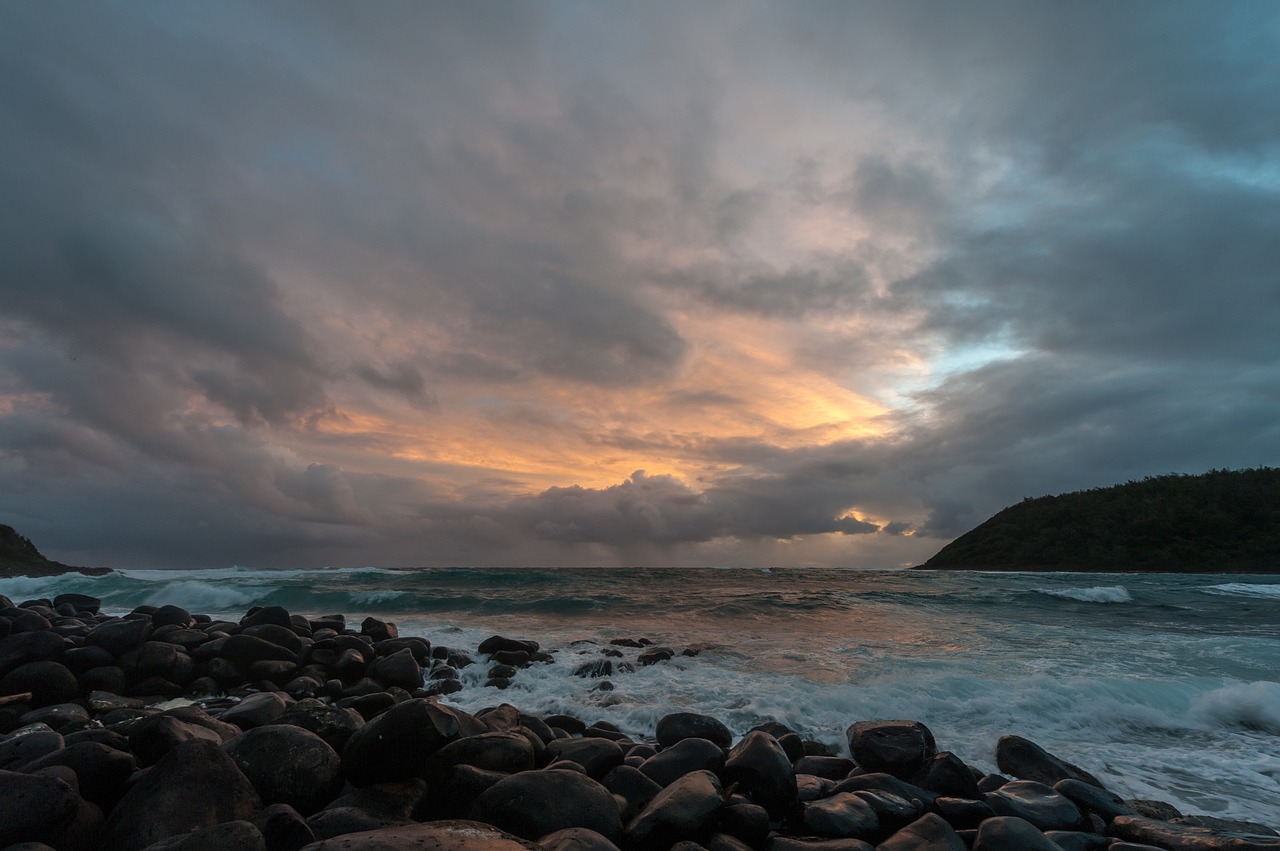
164	729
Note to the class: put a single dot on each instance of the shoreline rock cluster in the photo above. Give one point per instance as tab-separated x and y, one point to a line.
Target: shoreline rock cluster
171	731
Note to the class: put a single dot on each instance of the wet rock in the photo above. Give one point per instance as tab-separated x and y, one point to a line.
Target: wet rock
576	839
963	814
886	783
682	757
1036	803
946	774
25	647
630	784
18	750
120	636
594	668
1186	837
761	769
1009	833
194	785
1026	760
282	636
101	771
151	738
928	833
48	683
334	822
747	822
899	748
282	828
683	810
495	643
288	765
829	767
399	742
239	835
435	835
257	710
691	725
34	808
80	602
795	843
514	658
532	804
1074	840
335	724
257	615
1093	799
654	655
597	755
841	816
244	650
506	752
811	788
379	630
398	669
893	811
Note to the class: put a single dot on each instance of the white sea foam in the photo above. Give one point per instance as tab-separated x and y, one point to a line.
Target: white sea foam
1251	706
1245	589
1096	594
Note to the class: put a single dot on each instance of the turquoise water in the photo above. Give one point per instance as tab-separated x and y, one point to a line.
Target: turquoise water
1163	685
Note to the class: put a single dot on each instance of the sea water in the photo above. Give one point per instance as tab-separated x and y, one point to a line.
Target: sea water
1164	686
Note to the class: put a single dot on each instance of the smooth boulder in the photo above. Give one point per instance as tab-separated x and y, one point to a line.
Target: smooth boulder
532	804
288	765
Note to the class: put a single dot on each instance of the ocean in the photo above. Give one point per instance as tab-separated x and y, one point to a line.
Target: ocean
1164	686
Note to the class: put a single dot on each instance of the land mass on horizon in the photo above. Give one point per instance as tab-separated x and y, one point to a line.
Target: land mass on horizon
19	557
1223	521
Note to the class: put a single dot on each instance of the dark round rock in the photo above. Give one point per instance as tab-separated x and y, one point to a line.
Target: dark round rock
240	835
691	725
681	811
17	751
596	754
334	724
1026	760
256	710
576	839
532	804
761	769
379	630
194	785
747	822
1007	833
288	765
497	642
48	683
842	816
946	774
1036	803
276	634
282	828
244	650
151	738
506	752
398	669
398	743
121	635
684	756
102	771
899	748
637	790
929	832
434	835
334	822
172	616
34	807
80	602
267	614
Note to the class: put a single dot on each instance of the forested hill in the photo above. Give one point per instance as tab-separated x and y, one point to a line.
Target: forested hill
1221	521
19	557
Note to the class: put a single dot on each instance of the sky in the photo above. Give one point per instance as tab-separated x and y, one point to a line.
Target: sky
300	284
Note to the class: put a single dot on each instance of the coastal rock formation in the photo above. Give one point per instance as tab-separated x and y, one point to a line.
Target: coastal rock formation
367	757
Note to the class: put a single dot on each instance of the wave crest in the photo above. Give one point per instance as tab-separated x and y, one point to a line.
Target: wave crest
1096	594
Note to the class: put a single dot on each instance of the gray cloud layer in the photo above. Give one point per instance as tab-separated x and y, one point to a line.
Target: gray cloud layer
230	229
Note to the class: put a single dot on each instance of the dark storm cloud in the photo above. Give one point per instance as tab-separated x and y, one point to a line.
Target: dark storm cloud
222	220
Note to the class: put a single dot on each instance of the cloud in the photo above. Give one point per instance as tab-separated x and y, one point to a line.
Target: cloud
291	284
